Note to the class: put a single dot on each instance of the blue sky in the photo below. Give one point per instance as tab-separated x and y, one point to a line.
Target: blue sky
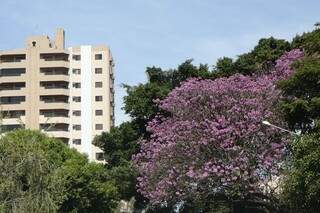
163	33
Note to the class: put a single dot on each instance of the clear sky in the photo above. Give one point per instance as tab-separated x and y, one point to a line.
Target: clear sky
162	33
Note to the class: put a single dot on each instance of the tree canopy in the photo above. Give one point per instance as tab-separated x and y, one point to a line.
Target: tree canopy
41	174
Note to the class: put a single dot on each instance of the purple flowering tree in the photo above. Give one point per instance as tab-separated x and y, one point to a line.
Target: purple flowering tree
214	141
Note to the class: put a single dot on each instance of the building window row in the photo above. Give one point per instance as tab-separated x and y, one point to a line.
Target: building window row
77	85
77	57
97	70
78	98
98	112
77	127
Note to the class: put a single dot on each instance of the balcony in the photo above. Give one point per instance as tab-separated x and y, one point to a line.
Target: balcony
15	58
14	121
11	127
54	60
12	72
54	88
13	61
11	100
54	116
54	74
12	89
57	130
54	56
13	75
13	117
54	102
54	127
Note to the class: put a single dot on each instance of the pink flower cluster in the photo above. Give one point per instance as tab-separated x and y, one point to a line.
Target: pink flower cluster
214	139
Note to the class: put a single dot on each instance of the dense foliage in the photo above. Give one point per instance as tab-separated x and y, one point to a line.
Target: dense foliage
214	140
302	105
119	144
302	185
28	180
41	174
260	59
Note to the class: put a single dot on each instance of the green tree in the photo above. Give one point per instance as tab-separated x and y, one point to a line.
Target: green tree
260	59
119	144
224	67
302	183
89	188
41	174
28	180
309	41
302	89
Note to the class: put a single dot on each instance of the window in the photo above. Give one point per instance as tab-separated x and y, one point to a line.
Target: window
99	126
98	98
76	113
99	112
76	141
98	70
76	71
76	57
76	85
98	84
100	156
98	57
76	98
76	127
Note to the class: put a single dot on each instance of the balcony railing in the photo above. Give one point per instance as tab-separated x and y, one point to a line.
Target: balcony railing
12	99
55	99
54	71
12	72
55	57
12	86
54	113
55	127
12	58
11	127
54	85
13	114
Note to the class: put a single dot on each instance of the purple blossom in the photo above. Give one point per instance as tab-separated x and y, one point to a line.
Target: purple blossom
215	137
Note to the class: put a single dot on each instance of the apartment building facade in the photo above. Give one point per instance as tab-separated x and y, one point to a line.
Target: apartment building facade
67	93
